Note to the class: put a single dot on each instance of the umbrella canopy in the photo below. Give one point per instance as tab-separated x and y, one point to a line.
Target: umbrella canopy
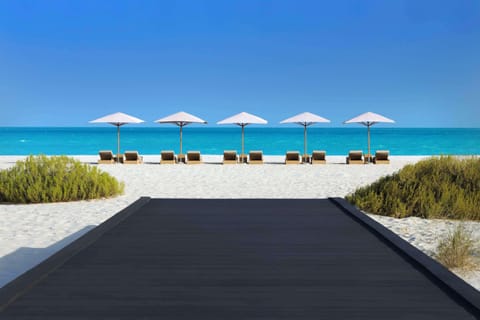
305	119
369	119
117	119
181	119
243	119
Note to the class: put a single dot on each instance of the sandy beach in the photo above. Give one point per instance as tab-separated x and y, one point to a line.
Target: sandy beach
31	233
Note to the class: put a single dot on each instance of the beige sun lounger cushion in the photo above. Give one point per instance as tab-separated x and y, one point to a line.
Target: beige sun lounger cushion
292	157
106	157
230	157
355	157
167	157
193	157
318	157
381	157
255	157
132	157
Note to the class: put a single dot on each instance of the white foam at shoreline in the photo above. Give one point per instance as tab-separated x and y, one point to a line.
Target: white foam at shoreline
31	233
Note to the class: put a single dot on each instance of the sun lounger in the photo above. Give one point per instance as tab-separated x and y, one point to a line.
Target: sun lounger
167	157
132	157
193	157
355	157
318	157
292	157
230	157
381	157
255	157
106	157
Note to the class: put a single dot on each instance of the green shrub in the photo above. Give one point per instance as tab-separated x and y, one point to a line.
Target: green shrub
456	249
52	179
443	187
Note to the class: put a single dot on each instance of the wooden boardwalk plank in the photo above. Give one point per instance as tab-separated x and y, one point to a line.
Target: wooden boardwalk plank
238	259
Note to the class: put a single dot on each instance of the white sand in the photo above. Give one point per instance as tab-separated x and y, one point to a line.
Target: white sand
31	233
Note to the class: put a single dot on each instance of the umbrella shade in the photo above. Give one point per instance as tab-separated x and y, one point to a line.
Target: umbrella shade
117	119
368	119
243	119
181	119
305	119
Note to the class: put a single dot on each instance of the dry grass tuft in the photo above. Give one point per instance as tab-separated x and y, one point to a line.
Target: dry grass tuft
457	249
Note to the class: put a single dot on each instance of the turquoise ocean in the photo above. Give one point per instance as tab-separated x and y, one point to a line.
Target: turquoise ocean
213	140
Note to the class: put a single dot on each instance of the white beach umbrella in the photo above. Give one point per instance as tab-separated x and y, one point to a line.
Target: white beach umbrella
243	119
369	119
181	119
117	119
305	119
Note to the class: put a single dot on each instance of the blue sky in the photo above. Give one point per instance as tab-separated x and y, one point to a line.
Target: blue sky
63	63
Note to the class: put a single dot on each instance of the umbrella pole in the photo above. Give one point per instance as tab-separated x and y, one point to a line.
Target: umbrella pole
368	160
181	156
304	143
243	144
181	138
118	144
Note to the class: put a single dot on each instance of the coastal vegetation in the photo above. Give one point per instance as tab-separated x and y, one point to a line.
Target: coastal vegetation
41	179
457	249
440	187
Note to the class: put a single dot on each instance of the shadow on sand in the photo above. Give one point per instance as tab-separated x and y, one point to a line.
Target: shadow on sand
21	260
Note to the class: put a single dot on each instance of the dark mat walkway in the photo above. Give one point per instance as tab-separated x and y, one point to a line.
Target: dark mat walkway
232	259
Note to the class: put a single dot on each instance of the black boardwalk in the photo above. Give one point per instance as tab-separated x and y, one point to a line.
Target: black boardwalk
234	259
